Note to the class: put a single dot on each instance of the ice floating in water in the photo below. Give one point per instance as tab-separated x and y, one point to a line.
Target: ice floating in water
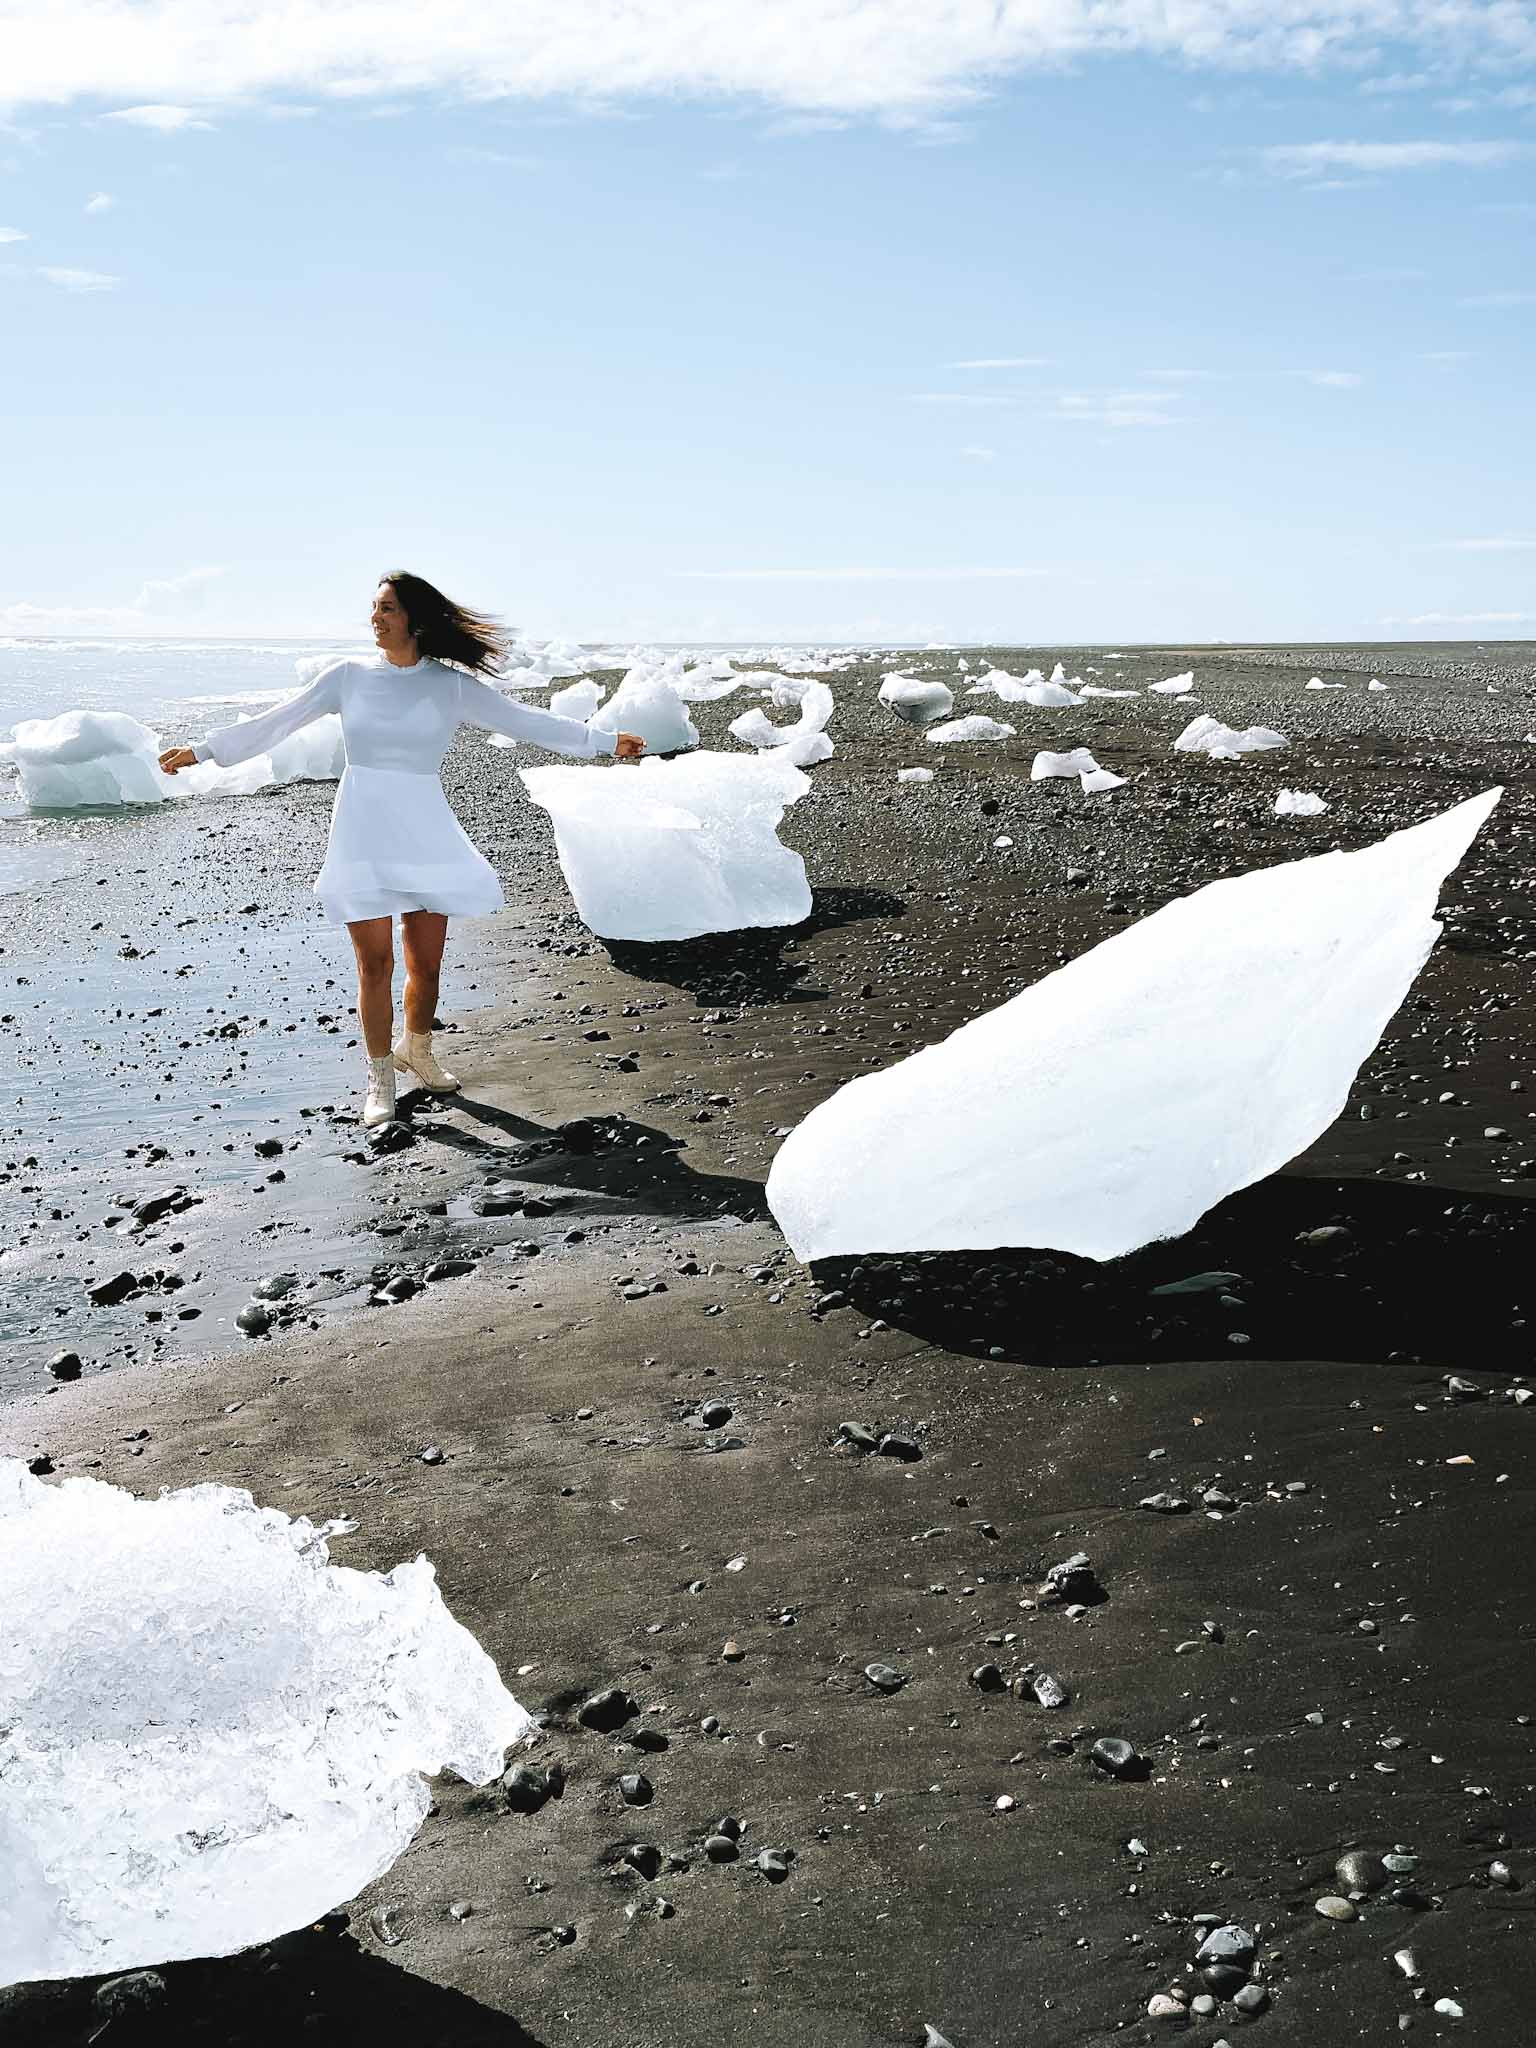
1027	689
914	775
1096	781
646	703
1299	803
673	849
1207	735
1118	1099
803	742
915	698
1176	686
209	1734
1079	762
87	757
973	728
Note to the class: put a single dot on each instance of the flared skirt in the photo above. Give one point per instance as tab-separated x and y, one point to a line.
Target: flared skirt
395	845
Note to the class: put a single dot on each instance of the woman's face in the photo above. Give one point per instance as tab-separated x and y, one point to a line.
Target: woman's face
391	629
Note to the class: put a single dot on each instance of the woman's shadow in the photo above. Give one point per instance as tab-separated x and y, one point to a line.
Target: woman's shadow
317	1985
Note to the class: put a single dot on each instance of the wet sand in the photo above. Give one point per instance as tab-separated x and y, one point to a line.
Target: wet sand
583	1523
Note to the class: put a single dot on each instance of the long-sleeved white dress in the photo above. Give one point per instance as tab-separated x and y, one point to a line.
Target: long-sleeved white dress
395	845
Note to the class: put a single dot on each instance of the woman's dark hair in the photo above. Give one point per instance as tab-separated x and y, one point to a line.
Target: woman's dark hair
445	631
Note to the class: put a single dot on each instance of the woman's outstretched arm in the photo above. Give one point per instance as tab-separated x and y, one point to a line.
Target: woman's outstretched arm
480	705
232	744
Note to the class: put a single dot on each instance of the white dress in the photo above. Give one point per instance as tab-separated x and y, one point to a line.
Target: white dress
395	844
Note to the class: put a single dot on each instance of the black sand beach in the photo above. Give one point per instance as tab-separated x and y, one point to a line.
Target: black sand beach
1327	1647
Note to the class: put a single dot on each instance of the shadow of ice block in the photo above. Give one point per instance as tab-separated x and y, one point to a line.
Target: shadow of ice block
209	1734
674	849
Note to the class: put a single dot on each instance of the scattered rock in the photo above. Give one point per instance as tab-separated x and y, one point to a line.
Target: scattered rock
607	1710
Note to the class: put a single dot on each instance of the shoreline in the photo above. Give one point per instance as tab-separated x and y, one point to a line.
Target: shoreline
569	1540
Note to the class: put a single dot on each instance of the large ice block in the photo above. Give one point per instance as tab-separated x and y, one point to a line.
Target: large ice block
1119	1098
209	1734
1032	688
805	741
87	758
975	727
673	849
1208	735
917	699
647	703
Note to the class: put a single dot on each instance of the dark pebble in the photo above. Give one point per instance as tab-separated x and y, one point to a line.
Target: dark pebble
636	1789
1114	1754
65	1365
607	1710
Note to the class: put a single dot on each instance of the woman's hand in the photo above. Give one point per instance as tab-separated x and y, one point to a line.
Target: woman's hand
177	757
630	747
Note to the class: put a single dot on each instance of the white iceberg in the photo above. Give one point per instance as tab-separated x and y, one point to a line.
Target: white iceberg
1176	686
673	849
647	703
1027	689
209	1734
1207	735
1298	803
914	775
976	727
806	740
917	699
1118	1099
87	758
577	700
1046	764
1096	781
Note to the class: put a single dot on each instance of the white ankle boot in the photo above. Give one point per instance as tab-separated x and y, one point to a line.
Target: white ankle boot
379	1103
414	1056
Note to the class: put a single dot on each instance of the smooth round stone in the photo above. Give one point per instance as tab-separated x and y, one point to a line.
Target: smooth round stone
1202	2006
1333	1908
729	1826
1360	1870
635	1789
1161	2007
1114	1754
1400	1864
885	1677
720	1849
774	1864
1223	1978
1252	1999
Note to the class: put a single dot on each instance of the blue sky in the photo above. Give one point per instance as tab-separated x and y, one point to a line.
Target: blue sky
824	325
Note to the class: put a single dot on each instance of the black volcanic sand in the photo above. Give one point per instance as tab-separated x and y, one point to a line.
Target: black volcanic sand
1335	1652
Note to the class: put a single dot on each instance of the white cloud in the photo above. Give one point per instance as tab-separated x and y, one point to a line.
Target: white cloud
1496	544
856	575
12	235
156	601
166	120
1334	380
1462	619
1496	299
1399	81
100	202
1312	159
980	454
157	590
1002	363
78	280
814	56
1115	409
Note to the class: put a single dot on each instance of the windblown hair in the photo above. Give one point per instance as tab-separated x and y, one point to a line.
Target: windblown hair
445	631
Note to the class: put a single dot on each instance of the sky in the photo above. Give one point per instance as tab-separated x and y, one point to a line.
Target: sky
1019	321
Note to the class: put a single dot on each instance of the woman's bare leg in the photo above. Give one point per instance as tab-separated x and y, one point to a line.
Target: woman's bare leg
373	943
423	934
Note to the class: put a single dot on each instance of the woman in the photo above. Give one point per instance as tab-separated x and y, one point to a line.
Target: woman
395	848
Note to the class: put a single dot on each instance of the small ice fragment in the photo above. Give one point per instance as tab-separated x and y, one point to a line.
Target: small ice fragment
1079	762
1207	735
1317	683
1096	780
914	775
803	742
1116	1100
915	698
646	703
1002	839
1375	684
976	727
1098	690
674	849
1298	803
209	1734
1176	686
1028	689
